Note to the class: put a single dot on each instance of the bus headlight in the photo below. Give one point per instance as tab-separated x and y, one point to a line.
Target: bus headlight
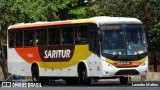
143	64
109	65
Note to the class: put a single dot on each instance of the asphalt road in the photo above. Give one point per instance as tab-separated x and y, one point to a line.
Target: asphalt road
111	85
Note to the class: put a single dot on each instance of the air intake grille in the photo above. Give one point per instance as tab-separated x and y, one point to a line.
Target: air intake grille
127	72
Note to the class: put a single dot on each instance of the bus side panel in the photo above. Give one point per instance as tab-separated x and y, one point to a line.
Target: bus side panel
16	65
69	68
65	72
94	66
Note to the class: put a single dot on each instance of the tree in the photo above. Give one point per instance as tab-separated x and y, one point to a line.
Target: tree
3	61
18	11
154	39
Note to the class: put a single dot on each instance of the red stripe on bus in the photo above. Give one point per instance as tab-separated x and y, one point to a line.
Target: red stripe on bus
40	24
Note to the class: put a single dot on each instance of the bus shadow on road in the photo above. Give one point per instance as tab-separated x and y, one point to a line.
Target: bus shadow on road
60	83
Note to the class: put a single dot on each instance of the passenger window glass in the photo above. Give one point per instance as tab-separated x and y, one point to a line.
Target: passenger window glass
67	35
54	36
81	34
11	38
19	38
41	38
29	37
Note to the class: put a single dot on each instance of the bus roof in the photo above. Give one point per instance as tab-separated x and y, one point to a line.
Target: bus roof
98	20
107	19
52	23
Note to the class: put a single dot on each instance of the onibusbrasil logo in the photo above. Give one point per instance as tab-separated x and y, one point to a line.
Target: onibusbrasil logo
20	84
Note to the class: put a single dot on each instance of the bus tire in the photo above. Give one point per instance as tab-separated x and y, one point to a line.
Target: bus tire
83	76
36	78
123	80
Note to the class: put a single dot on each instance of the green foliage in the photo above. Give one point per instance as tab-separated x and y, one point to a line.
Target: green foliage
154	37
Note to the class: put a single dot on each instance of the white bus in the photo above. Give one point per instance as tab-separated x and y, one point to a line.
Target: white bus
78	50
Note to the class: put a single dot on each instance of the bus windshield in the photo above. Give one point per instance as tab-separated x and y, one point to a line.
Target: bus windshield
126	39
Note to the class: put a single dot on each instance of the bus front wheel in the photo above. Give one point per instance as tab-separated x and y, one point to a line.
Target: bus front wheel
83	76
123	80
36	78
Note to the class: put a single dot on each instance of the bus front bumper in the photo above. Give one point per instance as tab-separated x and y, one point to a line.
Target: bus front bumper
110	71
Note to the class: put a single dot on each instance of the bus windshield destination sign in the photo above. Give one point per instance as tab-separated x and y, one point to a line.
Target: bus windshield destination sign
112	27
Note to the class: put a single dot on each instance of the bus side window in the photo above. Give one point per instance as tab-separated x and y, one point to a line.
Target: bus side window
19	38
67	35
41	38
29	37
81	34
54	36
11	39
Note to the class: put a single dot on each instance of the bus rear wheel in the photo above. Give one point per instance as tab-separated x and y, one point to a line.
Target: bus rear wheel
123	80
83	76
37	79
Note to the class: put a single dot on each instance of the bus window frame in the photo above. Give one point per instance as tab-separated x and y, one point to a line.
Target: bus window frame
61	33
15	38
48	38
9	38
45	35
60	27
29	29
77	26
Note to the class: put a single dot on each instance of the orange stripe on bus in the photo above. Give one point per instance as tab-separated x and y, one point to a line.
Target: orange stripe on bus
43	24
29	54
